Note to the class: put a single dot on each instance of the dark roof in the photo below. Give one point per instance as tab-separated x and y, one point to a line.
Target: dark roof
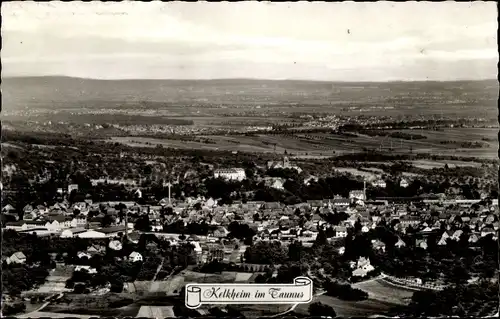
59	218
114	229
22	222
32	229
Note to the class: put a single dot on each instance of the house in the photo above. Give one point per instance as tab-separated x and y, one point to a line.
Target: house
115	245
456	235
427	230
409	220
197	249
421	243
78	221
341	202
310	179
378	245
363	267
400	243
220	232
72	232
230	174
275	182
340	232
8	208
357	195
72	187
22	225
58	222
473	238
96	249
32	215
403	183
85	268
285	164
28	209
17	258
379	183
341	250
135	256
82	254
487	231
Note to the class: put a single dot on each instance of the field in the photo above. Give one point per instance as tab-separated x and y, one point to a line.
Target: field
382	291
330	144
425	164
156	312
382	297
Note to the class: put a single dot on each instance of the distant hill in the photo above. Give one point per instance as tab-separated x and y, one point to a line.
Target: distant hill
66	92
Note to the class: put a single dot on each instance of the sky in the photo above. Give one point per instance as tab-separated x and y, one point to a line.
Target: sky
344	41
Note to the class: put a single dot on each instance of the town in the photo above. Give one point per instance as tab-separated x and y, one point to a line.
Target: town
266	221
249	160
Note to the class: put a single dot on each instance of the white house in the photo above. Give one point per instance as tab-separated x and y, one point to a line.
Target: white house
72	187
403	183
85	268
230	174
82	254
135	256
17	258
363	267
400	243
357	195
72	232
340	232
115	245
379	183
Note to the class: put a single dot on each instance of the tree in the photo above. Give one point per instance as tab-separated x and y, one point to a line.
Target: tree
321	239
317	309
295	251
143	223
106	221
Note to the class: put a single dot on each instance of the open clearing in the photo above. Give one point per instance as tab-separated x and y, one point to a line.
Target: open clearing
156	312
379	290
382	297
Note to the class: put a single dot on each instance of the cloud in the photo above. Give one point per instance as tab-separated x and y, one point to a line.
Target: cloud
325	37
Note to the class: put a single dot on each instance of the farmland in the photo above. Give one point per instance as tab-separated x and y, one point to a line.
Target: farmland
330	144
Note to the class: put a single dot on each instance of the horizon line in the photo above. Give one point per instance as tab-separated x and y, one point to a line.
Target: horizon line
243	78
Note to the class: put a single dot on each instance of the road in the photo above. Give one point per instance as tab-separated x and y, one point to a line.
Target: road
151	287
45	304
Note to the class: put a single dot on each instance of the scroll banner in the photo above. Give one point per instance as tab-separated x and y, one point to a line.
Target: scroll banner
301	291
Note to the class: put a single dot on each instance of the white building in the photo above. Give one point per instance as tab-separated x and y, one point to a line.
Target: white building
72	232
340	232
357	195
379	183
135	256
230	174
404	183
72	187
87	269
115	245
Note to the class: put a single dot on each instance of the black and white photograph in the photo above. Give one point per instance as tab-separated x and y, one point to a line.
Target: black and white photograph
346	150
